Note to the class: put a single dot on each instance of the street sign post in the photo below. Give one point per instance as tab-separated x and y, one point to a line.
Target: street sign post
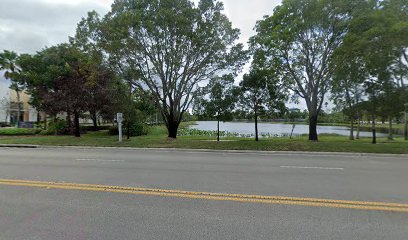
119	119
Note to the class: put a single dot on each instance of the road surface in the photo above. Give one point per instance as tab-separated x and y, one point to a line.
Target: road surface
169	194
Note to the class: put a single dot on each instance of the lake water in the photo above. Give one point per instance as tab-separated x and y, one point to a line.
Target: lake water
279	129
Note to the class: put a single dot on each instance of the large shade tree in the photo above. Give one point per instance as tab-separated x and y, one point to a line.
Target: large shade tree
63	79
171	46
376	42
56	80
301	37
396	12
347	88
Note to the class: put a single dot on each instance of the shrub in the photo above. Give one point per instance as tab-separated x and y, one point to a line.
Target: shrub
136	129
91	128
4	124
44	132
113	130
58	127
19	131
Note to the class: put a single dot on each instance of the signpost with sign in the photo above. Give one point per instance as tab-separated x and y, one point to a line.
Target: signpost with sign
119	119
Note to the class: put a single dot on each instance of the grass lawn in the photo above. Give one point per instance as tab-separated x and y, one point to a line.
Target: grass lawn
157	139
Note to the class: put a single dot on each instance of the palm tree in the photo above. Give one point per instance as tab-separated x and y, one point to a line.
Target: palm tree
8	61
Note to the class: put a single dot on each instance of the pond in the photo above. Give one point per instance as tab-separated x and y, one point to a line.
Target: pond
274	129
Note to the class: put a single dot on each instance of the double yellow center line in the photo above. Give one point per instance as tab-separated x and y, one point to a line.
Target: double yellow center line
313	202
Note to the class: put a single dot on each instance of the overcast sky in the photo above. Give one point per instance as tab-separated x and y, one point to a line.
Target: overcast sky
27	26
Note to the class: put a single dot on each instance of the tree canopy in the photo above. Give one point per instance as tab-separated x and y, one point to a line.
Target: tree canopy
64	79
300	37
170	46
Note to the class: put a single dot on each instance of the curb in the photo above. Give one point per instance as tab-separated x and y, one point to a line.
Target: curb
354	154
18	146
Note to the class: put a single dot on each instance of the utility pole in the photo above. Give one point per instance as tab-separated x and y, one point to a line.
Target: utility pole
119	119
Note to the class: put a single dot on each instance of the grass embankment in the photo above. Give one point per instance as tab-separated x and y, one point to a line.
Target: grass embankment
157	138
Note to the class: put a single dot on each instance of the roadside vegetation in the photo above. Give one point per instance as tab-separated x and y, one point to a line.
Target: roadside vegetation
157	138
158	61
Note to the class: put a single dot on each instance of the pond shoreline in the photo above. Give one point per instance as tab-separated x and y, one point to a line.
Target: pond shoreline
279	129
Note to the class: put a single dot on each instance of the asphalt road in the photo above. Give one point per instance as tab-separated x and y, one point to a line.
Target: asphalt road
28	212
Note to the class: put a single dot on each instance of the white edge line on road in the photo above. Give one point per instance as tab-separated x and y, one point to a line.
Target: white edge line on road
276	153
322	168
97	160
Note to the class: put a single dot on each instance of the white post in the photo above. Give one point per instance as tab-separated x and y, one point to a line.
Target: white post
119	118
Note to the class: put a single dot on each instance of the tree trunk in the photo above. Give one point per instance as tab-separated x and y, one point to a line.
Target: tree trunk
172	127
390	136
54	119
172	123
352	113
313	127
45	121
69	120
18	108
352	129
128	130
129	111
374	130
218	129
358	126
256	126
94	120
77	130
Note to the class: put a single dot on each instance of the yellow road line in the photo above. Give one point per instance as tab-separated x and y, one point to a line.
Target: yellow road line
315	202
